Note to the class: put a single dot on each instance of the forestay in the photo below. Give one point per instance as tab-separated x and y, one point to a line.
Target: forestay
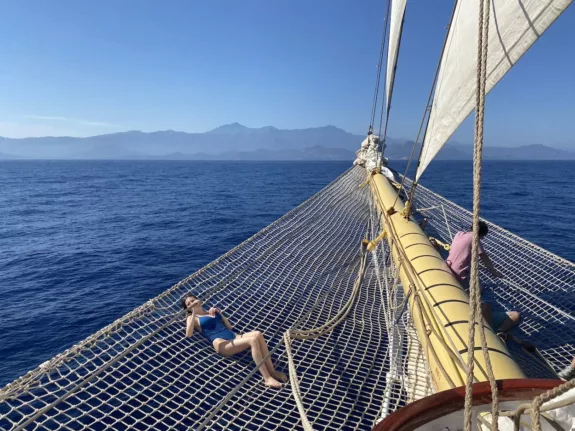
141	373
513	27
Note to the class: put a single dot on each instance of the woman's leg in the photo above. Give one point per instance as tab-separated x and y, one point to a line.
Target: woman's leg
510	321
265	352
242	343
259	337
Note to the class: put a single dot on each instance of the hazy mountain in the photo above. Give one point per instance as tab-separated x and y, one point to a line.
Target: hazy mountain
238	142
231	138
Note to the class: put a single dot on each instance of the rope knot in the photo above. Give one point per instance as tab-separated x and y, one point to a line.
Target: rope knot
372	245
407	209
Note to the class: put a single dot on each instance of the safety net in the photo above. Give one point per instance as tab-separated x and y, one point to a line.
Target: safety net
298	273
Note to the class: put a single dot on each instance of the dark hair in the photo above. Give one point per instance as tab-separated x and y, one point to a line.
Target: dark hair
483	228
189	295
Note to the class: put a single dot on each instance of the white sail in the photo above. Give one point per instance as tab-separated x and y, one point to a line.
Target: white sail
514	25
396	22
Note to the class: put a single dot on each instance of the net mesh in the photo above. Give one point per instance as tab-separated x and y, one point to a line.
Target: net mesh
537	283
141	373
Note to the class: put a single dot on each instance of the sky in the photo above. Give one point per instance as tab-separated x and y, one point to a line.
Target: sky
82	68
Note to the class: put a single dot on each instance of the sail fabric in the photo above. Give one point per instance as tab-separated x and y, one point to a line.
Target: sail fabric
396	23
513	27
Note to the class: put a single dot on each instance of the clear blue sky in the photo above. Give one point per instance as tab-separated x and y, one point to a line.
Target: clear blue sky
81	68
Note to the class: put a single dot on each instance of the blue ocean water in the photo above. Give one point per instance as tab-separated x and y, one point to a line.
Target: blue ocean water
84	242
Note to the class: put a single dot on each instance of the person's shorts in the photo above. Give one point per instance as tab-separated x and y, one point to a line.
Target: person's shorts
497	319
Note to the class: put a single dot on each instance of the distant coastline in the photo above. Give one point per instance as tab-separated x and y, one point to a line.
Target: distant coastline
238	142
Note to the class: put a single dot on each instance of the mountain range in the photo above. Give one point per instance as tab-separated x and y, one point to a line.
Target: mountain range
238	142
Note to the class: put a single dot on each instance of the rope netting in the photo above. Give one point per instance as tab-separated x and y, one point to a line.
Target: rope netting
141	373
537	283
296	274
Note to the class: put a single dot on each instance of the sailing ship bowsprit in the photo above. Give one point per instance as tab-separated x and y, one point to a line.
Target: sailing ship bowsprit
353	294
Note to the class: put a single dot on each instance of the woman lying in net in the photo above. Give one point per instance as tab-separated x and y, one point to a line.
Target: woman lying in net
218	330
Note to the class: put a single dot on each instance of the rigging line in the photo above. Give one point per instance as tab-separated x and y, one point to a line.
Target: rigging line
378	77
426	114
391	87
454	354
384	107
474	287
329	326
535	408
416	282
380	143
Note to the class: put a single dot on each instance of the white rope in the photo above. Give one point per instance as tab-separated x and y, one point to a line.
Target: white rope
298	272
307	334
537	283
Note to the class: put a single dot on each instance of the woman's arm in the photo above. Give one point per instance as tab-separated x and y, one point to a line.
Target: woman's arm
227	323
190	324
489	265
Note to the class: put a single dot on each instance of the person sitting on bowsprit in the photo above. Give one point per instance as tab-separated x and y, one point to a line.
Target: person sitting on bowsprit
459	261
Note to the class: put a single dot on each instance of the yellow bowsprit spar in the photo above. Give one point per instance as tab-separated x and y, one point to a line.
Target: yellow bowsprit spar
439	306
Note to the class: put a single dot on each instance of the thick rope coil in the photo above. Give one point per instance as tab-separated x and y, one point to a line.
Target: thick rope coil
307	334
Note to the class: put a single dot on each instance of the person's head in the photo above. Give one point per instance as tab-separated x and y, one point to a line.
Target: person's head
189	300
483	229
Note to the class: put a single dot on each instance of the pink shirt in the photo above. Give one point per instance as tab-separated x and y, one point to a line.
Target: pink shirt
459	259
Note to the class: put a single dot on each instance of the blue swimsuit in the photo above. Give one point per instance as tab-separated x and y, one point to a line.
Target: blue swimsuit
214	328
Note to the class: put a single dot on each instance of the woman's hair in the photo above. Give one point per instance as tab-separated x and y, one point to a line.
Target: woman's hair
189	295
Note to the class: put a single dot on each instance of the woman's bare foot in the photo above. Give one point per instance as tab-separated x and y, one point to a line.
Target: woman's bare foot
272	383
280	376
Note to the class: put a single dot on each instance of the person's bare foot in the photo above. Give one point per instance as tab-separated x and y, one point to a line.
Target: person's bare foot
272	383
280	376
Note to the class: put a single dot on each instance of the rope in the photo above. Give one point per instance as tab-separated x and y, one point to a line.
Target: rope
379	69
475	290
305	267
419	287
549	395
307	334
388	109
425	116
396	335
447	223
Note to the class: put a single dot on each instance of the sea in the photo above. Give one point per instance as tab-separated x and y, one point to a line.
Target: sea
84	242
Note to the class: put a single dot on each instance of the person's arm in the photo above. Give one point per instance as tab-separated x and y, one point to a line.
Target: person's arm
190	324
227	323
213	311
489	265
